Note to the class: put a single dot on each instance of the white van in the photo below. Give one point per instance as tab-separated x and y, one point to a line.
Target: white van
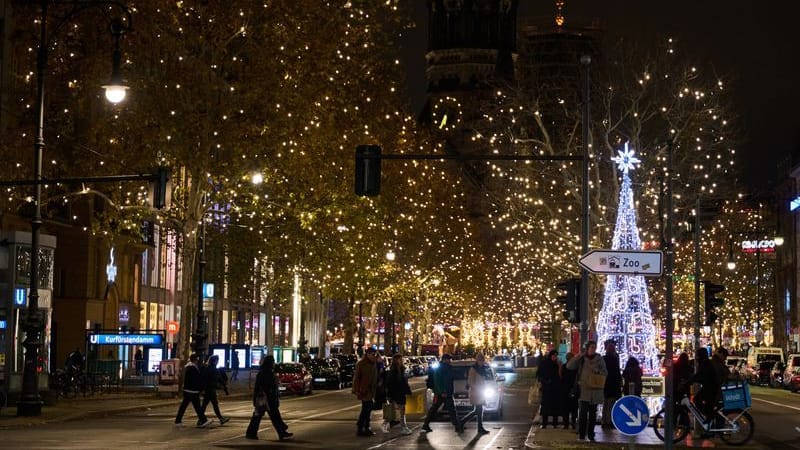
759	354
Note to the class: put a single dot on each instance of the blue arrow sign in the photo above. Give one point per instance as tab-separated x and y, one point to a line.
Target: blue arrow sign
630	415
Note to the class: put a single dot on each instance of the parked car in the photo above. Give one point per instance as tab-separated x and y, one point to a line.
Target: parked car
736	365
792	364
762	374
410	365
502	363
294	378
420	366
494	391
347	366
326	373
792	381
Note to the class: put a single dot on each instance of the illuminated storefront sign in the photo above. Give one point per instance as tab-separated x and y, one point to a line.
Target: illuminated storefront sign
20	296
756	246
126	339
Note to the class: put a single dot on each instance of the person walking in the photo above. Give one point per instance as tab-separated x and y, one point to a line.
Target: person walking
397	389
569	394
612	391
549	376
212	381
443	395
365	384
266	398
234	365
476	383
632	375
138	359
192	385
591	373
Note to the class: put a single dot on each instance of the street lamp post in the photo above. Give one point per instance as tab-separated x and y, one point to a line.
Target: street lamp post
200	334
30	403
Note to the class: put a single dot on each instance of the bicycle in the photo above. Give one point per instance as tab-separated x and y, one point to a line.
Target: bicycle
734	426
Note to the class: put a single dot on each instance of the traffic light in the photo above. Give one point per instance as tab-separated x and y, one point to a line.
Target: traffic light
368	170
160	188
570	297
711	301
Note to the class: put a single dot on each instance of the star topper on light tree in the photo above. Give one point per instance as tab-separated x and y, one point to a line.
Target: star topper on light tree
625	316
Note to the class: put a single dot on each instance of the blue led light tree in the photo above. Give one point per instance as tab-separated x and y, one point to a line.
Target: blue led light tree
625	315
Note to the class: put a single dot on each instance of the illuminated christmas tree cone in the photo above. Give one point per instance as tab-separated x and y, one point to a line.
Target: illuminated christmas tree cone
625	316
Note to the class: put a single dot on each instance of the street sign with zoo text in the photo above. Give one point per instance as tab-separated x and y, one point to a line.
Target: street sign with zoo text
623	262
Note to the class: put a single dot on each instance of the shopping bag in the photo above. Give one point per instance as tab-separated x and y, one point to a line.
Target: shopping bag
533	394
597	381
388	412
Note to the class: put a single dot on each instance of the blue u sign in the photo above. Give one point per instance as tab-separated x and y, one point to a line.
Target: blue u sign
630	415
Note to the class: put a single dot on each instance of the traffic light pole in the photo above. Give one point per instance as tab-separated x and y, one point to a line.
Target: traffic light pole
670	263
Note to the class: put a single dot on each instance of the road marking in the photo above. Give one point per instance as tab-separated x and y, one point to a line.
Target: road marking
494	438
776	403
311	416
413	429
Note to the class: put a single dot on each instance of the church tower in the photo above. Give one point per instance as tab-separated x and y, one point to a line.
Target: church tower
471	47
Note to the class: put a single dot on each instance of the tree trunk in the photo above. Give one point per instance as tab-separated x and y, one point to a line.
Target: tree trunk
190	228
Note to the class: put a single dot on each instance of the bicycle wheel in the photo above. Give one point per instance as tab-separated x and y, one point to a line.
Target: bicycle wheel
679	428
744	428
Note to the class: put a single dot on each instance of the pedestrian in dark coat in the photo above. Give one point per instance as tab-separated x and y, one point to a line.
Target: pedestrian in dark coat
234	365
213	381
549	376
397	389
267	386
365	385
443	395
569	394
192	386
632	375
613	388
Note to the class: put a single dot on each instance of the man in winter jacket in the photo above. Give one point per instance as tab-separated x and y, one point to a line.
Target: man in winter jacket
365	384
443	395
192	386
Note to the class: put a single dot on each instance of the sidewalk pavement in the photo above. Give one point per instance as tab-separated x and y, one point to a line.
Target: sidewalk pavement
559	438
129	398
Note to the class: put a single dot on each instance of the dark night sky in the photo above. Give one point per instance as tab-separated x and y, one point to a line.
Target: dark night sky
753	45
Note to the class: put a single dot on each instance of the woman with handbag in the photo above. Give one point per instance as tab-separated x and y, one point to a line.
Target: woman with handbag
569	394
397	389
266	399
591	380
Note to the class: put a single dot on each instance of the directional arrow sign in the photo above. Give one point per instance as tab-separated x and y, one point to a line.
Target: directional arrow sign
630	415
623	262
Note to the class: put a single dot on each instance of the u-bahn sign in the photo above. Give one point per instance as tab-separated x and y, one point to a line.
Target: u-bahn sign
623	262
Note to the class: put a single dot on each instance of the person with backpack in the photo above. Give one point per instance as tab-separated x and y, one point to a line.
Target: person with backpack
443	395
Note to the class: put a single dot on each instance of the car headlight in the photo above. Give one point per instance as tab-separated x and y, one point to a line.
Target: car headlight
489	392
435	365
494	364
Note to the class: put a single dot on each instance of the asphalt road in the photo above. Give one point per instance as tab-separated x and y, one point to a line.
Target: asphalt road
776	414
326	420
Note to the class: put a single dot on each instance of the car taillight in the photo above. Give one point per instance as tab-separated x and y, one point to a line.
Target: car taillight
796	379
